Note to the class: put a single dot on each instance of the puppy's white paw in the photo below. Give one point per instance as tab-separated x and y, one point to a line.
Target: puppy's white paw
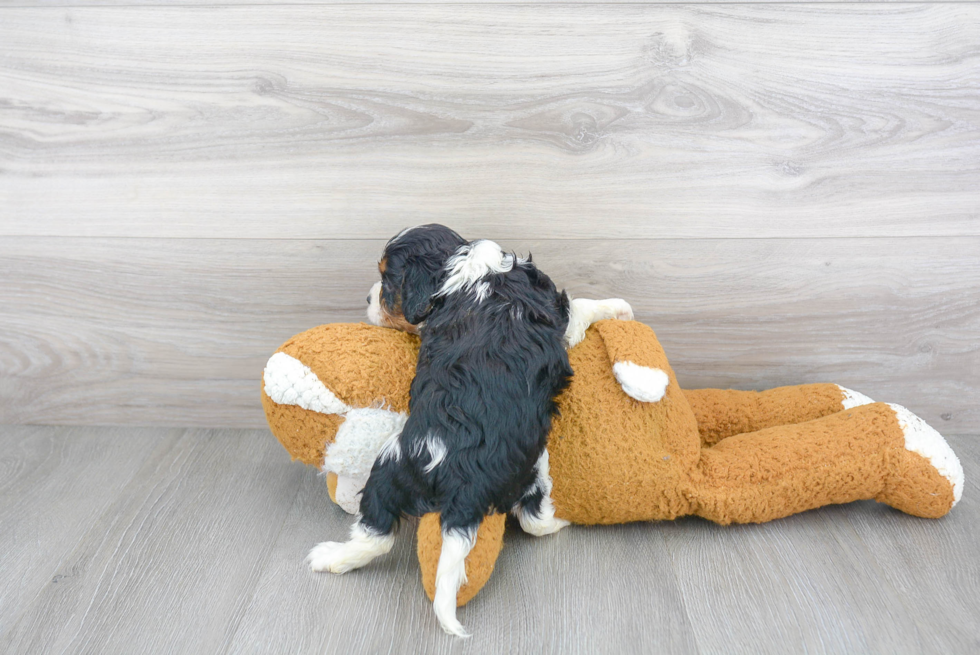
331	556
343	557
614	308
541	527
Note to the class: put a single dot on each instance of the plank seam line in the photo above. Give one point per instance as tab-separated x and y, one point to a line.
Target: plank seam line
476	3
517	238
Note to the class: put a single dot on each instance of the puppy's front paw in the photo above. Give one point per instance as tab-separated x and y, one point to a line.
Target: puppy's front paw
614	308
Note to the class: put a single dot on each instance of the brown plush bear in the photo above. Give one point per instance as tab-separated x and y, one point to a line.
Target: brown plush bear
629	444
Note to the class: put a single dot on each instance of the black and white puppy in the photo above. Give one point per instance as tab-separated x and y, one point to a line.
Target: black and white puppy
492	359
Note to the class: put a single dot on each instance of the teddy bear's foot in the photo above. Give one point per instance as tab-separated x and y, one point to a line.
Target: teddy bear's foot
341	557
926	479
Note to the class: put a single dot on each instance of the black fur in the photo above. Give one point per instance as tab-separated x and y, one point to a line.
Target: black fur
414	263
485	384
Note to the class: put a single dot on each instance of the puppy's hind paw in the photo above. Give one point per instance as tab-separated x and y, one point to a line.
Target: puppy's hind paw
540	527
343	557
329	556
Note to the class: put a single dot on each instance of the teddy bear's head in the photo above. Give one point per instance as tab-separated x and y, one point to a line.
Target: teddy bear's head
347	384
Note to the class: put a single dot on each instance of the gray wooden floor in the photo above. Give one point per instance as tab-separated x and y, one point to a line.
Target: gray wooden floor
152	540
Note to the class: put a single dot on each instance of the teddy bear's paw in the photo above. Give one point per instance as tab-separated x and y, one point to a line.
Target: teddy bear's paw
341	557
853	398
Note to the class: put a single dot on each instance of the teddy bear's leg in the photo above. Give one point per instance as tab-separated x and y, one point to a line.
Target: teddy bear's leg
460	522
722	413
479	562
875	451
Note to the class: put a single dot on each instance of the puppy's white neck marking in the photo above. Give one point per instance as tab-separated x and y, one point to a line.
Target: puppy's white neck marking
472	263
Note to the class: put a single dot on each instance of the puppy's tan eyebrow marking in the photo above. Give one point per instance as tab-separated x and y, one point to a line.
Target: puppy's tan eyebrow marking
382	265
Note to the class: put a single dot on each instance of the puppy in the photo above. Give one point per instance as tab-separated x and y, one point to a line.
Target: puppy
492	359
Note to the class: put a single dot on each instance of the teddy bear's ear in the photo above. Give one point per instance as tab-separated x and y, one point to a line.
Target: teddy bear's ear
637	359
479	563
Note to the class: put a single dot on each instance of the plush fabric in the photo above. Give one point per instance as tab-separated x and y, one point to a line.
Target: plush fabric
727	456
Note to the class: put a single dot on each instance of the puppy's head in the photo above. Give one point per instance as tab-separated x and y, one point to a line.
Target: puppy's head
412	269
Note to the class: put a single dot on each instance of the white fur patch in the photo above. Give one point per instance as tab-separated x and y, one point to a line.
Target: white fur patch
450	576
374	307
360	440
472	263
290	382
348	493
923	439
392	449
853	398
643	383
403	233
544	523
584	312
437	451
362	547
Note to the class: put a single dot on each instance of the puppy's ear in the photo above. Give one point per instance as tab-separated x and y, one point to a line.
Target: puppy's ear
418	287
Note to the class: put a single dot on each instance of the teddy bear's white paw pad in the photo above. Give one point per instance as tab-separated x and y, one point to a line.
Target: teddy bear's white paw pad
853	398
642	383
922	438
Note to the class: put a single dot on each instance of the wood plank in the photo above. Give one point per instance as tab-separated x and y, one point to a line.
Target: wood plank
172	562
158	540
54	483
799	584
561	594
210	3
932	564
176	332
529	121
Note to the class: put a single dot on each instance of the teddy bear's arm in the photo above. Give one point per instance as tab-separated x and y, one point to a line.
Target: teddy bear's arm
638	361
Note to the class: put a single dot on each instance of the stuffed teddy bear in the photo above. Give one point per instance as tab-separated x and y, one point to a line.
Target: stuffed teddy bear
629	443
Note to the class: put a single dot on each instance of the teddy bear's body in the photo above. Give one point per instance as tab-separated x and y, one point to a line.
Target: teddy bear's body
727	456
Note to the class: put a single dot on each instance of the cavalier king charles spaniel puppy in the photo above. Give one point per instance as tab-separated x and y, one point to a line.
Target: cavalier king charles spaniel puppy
494	331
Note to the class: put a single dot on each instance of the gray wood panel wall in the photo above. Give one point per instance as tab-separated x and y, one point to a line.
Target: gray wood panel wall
786	192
